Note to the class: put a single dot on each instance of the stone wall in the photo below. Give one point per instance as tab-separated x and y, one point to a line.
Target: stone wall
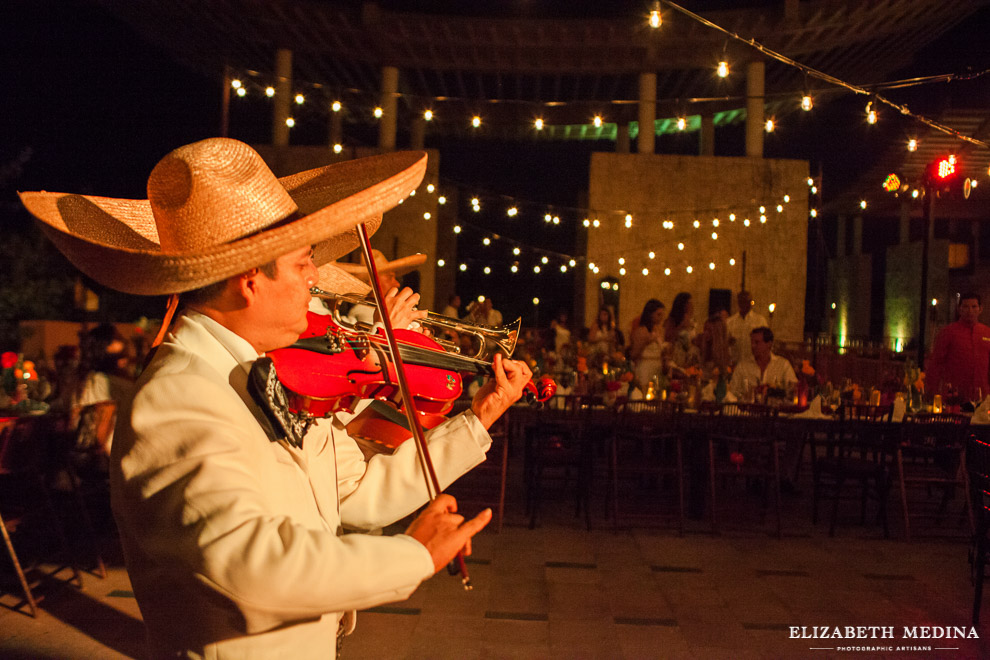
655	188
903	289
848	287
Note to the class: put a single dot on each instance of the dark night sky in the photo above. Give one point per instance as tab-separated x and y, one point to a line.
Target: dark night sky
97	107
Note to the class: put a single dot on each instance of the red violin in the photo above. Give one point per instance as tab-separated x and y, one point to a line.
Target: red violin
330	368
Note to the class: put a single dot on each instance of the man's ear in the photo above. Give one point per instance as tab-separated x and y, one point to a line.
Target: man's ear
248	283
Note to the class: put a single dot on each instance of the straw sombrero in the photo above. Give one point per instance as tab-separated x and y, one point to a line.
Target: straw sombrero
214	210
398	267
336	280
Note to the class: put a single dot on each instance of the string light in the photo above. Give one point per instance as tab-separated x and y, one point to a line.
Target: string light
787	198
335	106
912	145
871	113
715	222
428	115
241	91
488	271
515	268
572	263
516	251
652	255
427	215
622	261
269	91
780	208
628	221
732	262
538	123
457	229
807	103
862	203
666	271
486	241
463	267
681	123
697	224
655	19
300	99
711	265
723	69
536	301
680	246
337	148
763	219
714	236
597	121
746	222
563	268
646	271
378	113
512	211
236	83
622	271
689	269
813	213
732	217
290	122
430	187
769	126
536	269
545	260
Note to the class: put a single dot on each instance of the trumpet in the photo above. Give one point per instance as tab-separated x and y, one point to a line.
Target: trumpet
485	341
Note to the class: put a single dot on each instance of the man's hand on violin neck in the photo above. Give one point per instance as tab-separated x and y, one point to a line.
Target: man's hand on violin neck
503	389
444	532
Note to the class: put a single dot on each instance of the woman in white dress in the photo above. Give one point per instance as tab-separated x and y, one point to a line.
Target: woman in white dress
646	343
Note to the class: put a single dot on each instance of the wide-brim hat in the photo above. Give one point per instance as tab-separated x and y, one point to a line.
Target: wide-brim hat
215	210
397	267
334	279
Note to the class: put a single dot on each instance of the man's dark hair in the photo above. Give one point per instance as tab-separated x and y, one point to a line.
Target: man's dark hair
765	331
210	291
971	295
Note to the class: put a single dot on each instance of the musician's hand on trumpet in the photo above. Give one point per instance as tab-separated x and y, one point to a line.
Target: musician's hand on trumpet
402	309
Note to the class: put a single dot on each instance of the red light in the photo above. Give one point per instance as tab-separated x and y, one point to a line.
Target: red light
946	168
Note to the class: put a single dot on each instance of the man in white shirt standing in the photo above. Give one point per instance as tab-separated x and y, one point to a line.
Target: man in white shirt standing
740	325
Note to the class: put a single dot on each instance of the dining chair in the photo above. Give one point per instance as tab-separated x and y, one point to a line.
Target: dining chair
24	494
559	448
743	445
645	446
978	471
857	451
931	453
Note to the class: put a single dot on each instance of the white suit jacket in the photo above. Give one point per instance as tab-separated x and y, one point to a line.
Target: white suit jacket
234	543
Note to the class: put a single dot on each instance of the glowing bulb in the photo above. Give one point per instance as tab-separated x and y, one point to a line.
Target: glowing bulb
680	246
475	201
512	211
813	213
457	229
241	91
646	271
871	114
536	269
591	266
763	219
689	269
428	115
337	148
596	223
427	215
666	271
732	217
545	260
655	19
711	265
488	270
912	145
547	218
622	271
862	203
572	263
934	301
538	123
833	305
780	208
236	84
715	222
769	126
269	91
515	268
536	301
787	198
430	187
563	268
335	106
441	200
772	307
763	209
597	121
476	208
290	122
681	123
300	99
723	69
915	193
811	181
605	285
476	121
746	222
556	220
807	103
486	241
463	267
653	255
714	236
814	190
515	251
622	261
441	263
732	262
697	224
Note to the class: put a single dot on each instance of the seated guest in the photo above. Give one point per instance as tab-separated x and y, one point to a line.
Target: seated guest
765	369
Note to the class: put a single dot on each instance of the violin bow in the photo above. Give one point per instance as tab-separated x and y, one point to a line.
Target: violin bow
426	463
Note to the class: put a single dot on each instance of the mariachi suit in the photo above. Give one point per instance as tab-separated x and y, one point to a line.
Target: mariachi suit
234	543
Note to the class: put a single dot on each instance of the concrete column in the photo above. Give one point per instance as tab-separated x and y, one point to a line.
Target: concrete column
840	236
755	72
418	133
622	139
336	126
706	143
388	124
904	232
283	97
646	140
857	230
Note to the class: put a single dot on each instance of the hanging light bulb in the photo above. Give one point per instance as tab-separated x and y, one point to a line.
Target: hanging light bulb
486	241
732	262
536	269
538	123
912	144
666	271
871	113
655	19
335	106
512	211
300	99
428	115
290	122
769	126
476	121
236	84
545	260
628	221
681	123
241	92
516	251
488	270
337	148
269	91
441	263
806	102
597	121
378	113
457	229
862	203
723	69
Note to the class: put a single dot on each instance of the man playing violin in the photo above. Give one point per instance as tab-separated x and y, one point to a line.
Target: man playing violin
234	541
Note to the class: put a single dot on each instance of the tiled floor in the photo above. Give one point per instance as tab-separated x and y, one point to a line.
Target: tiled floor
561	591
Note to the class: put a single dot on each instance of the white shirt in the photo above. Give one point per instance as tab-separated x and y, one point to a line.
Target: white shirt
740	329
779	373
